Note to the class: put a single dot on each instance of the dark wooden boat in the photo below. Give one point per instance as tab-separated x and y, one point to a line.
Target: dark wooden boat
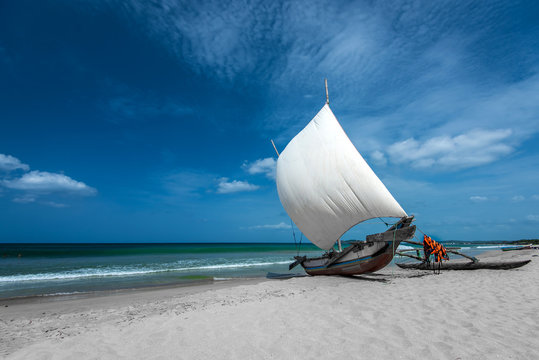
326	187
360	257
477	265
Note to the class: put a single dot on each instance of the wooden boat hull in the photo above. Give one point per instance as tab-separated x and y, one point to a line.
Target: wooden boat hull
360	257
491	265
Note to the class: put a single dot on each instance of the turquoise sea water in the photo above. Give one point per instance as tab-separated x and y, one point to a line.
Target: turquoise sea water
47	269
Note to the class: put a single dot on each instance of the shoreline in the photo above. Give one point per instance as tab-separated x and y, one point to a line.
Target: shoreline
393	313
46	297
87	284
188	287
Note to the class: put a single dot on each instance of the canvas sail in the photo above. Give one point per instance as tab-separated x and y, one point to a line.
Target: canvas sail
325	185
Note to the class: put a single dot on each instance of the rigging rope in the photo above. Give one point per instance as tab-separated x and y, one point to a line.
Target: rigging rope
393	267
294	235
296	245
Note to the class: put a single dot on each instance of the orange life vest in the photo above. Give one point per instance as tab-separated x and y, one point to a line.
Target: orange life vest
431	247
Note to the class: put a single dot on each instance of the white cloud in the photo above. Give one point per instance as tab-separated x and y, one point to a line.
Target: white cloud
535	197
378	157
474	148
265	166
533	217
518	198
281	225
45	182
478	198
227	187
10	163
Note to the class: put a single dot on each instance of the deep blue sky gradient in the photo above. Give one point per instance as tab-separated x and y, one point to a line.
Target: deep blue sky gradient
148	121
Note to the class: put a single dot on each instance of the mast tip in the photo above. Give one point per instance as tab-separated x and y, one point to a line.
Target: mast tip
327	93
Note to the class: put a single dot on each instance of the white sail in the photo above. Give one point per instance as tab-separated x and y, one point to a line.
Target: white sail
326	186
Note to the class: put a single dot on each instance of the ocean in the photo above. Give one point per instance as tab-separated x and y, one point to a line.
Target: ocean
54	269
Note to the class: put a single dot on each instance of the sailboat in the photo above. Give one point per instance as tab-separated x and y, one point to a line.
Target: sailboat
326	187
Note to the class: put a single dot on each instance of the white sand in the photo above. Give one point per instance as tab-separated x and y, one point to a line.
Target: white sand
482	314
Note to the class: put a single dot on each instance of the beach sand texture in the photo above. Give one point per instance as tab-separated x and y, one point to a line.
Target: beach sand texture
395	314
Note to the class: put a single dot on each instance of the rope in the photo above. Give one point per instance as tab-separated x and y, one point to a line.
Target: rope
296	245
420	231
393	268
294	235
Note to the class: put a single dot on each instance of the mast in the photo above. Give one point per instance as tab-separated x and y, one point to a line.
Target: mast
272	143
327	93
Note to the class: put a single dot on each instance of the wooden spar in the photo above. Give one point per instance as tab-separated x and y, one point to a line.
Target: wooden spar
410	256
415	249
272	143
327	93
461	254
473	259
413	242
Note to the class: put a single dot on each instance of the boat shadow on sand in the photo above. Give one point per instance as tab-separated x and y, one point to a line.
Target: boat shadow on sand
381	278
385	278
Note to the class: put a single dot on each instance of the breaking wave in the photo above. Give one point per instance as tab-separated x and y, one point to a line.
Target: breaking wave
129	271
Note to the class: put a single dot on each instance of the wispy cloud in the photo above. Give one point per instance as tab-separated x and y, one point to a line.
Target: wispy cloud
54	204
10	163
412	69
477	198
214	37
533	217
226	187
265	166
518	198
278	226
25	199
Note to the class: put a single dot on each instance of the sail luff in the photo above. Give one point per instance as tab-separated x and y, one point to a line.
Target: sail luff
326	186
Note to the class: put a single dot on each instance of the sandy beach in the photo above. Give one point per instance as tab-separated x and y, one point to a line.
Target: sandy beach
394	314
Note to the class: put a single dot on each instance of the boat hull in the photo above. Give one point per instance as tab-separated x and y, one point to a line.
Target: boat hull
478	265
360	257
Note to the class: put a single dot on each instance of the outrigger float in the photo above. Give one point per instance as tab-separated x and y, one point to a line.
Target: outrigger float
439	253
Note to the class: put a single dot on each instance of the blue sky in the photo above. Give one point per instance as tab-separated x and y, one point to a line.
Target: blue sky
150	121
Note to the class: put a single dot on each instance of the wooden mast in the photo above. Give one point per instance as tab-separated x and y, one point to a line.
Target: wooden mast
327	102
272	143
327	93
